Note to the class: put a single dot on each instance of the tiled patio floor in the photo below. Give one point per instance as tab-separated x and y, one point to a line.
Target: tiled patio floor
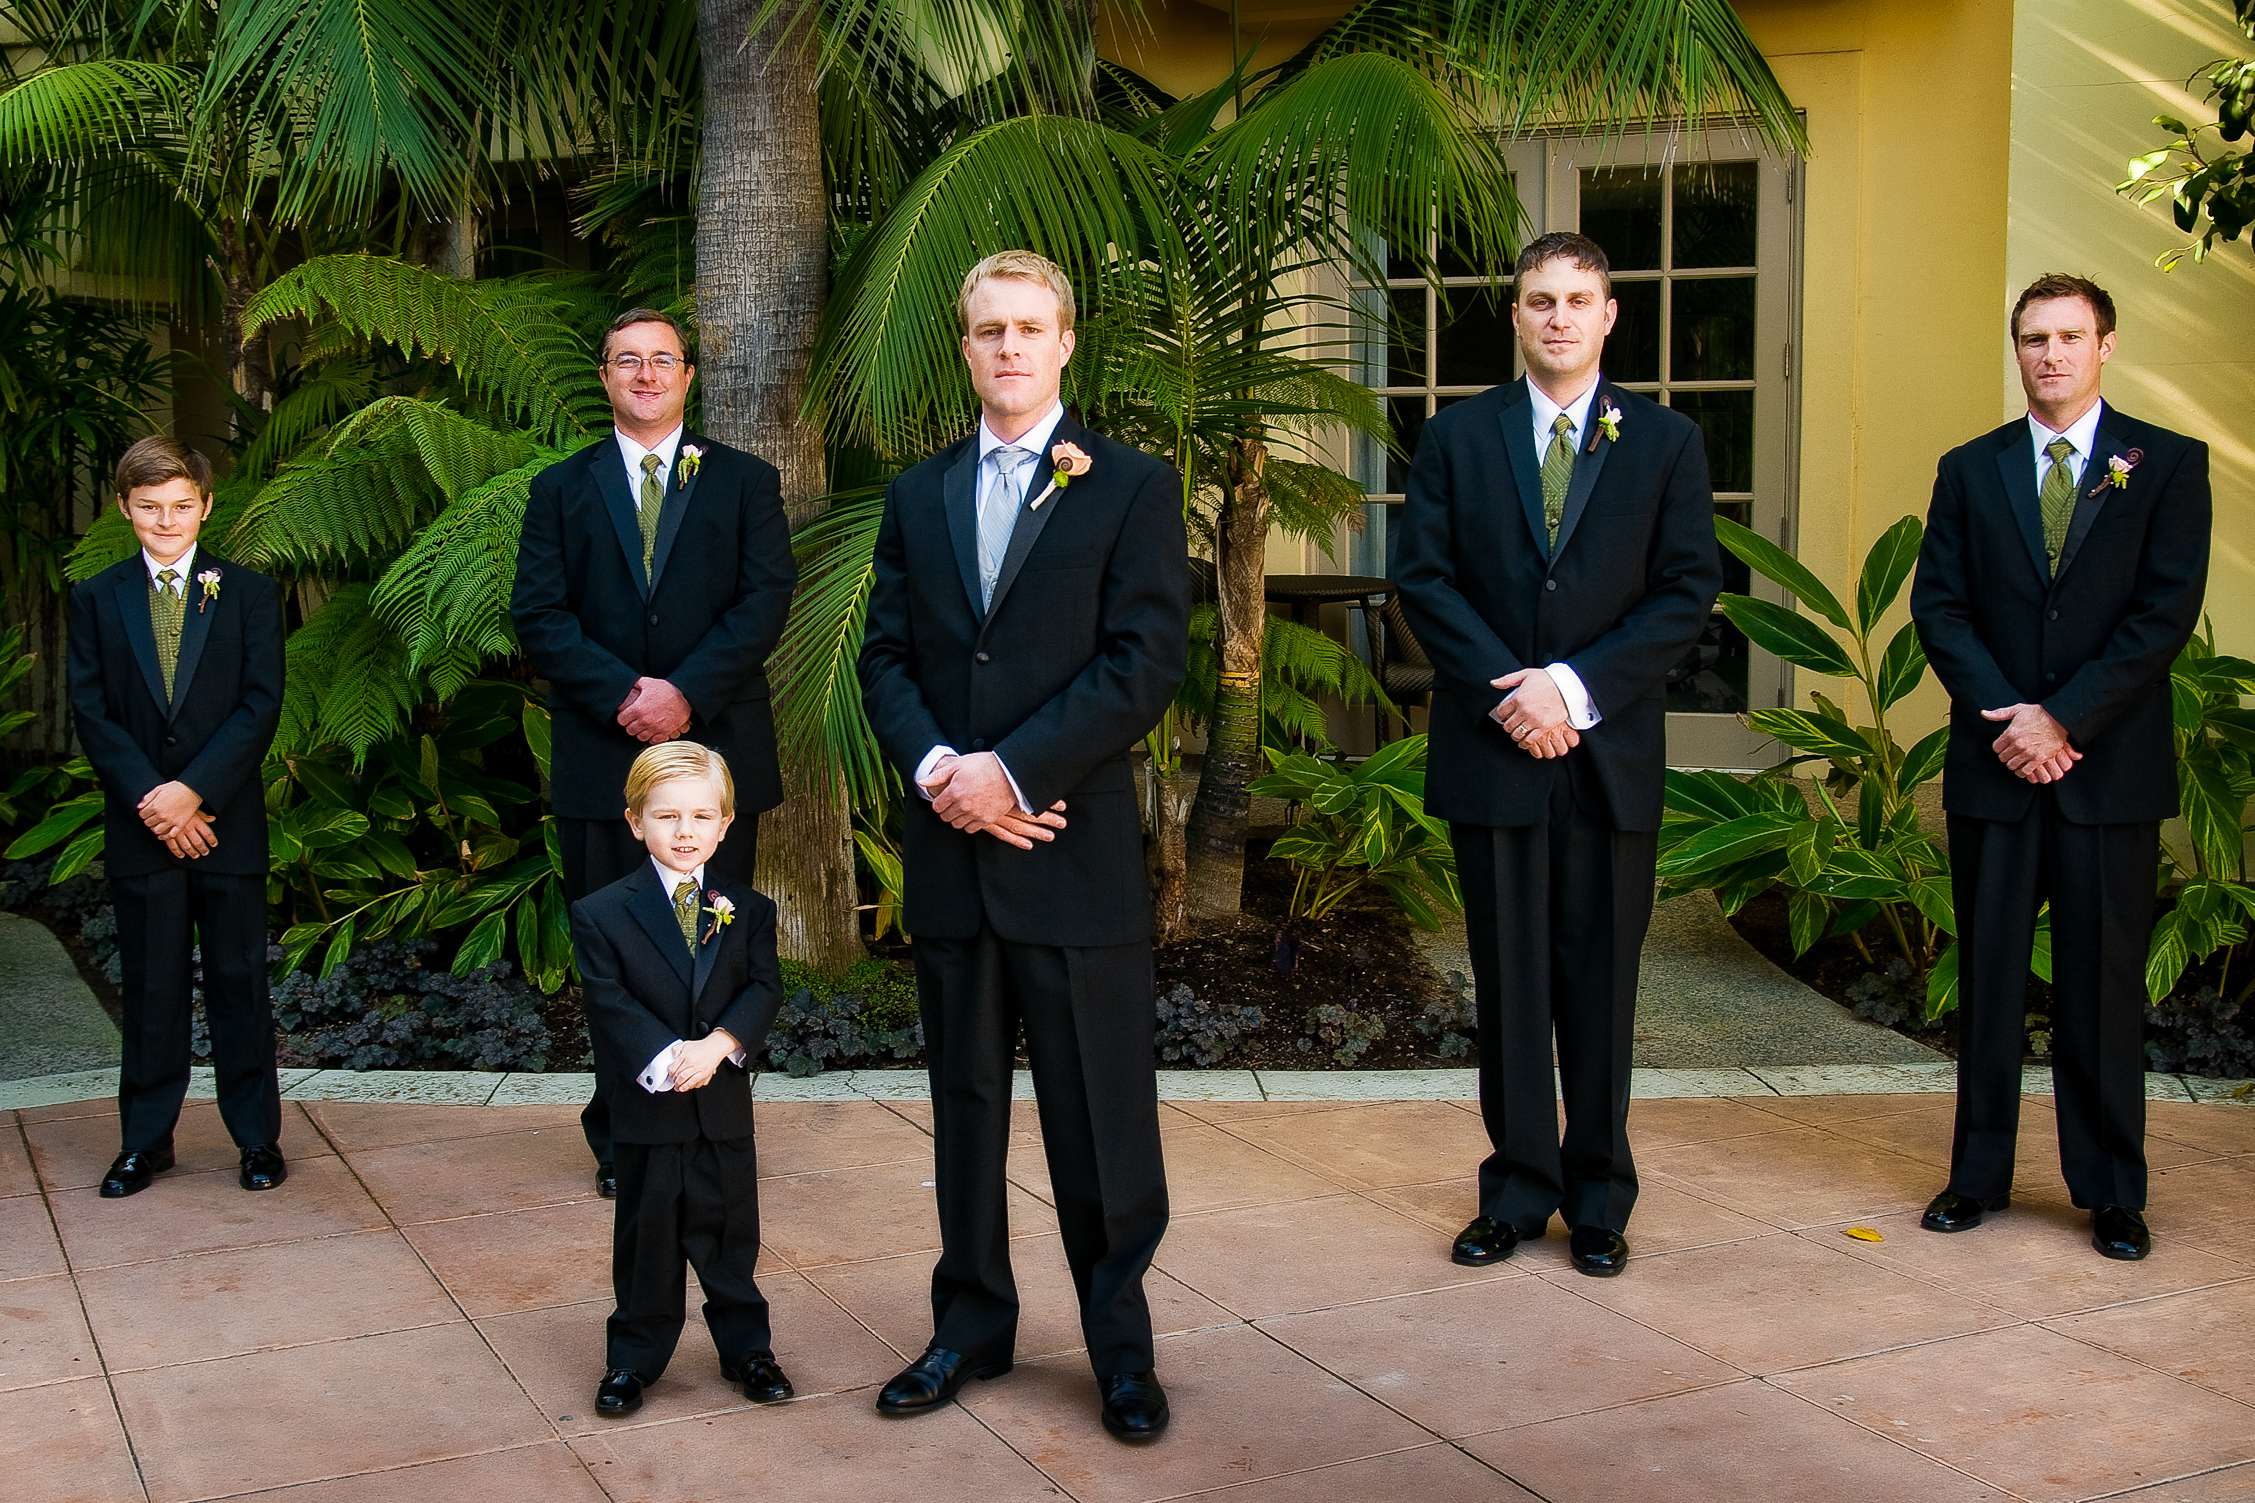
417	1315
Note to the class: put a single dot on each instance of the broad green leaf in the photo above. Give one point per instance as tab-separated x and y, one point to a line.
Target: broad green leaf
1806	730
1850	872
1807	915
1885	568
2166	957
1923	760
1933	897
79	854
1803	856
1903	665
64	820
1780	567
1787	634
1710	795
1941	984
1725	845
2213	814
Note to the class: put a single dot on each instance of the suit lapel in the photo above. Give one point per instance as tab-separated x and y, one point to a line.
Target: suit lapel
1026	530
2016	468
195	627
652	908
607	470
2093	493
133	609
708	951
959	495
1526	473
1588	462
671	512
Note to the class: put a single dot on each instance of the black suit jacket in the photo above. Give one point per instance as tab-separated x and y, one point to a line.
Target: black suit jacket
2092	645
1623	599
1076	659
212	735
590	625
643	990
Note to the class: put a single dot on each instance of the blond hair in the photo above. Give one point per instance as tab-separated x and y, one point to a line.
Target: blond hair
678	759
1018	266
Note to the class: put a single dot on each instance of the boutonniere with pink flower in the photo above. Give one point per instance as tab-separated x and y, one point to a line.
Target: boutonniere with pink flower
1608	425
2118	469
1070	461
209	579
723	912
685	468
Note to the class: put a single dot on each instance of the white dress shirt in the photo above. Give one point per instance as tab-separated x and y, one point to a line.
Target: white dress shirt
1580	713
1036	441
632	452
659	1076
2082	433
183	569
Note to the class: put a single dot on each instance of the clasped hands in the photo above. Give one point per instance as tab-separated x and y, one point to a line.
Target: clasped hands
697	1061
1534	713
174	813
654	711
973	794
2034	745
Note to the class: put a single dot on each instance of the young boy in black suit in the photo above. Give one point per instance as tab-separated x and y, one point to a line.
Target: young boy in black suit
681	985
176	687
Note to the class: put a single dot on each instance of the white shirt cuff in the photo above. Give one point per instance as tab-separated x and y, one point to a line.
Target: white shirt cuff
931	759
659	1076
1580	713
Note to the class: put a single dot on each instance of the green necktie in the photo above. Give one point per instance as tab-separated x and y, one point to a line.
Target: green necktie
2057	499
685	909
165	608
1557	474
653	501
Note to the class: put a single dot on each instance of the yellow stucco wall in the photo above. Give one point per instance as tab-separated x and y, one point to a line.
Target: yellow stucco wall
2087	78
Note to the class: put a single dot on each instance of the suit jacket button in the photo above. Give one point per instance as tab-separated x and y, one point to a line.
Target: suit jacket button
172	740
984	657
2051	678
1550	584
978	746
2054	616
653	618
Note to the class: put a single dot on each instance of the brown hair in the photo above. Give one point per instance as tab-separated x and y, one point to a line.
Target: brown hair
1565	245
633	316
158	459
2065	284
1018	266
678	759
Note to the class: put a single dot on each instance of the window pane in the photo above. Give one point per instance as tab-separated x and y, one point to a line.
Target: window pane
1632	350
1406	416
1405	336
1621	212
1715	214
1398	264
1726	421
1711	330
1475	340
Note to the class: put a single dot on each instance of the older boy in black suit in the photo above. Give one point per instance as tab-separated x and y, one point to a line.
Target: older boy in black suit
176	686
681	985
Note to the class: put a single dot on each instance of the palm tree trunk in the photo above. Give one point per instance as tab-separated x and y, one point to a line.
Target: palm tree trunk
1216	841
762	266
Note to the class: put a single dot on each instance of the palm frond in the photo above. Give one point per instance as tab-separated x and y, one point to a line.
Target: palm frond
93	108
818	712
326	394
511	340
1311	501
1300	667
448	593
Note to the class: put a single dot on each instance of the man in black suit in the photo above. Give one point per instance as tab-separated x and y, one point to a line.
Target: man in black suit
653	577
1028	625
1556	555
2065	559
176	687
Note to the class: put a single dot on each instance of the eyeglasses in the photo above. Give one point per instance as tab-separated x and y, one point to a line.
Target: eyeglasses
631	365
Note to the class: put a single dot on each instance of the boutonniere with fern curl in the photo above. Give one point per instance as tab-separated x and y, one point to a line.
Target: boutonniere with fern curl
686	467
723	912
1608	426
1070	461
2117	476
209	579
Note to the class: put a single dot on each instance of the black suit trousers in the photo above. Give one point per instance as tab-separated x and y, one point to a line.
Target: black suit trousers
161	916
1089	1022
1555	914
2100	880
680	1206
597	852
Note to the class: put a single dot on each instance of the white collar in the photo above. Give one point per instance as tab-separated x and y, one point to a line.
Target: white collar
2082	433
184	566
1035	440
1577	411
663	448
668	878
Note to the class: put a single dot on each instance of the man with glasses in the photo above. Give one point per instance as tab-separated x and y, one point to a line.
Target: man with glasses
653	576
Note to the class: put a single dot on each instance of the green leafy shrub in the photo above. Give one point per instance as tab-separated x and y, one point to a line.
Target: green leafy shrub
1194	1031
2206	897
1363	825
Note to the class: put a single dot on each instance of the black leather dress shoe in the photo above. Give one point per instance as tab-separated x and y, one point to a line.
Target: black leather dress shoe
1952	1212
2119	1232
607	1181
763	1380
263	1168
931	1380
619	1394
1598	1251
1482	1243
130	1173
1135	1406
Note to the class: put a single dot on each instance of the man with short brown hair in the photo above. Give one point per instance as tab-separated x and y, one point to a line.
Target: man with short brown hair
2065	559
